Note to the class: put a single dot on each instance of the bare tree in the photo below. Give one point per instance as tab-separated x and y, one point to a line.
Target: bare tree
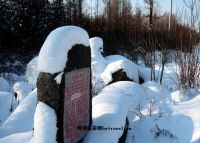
150	3
170	15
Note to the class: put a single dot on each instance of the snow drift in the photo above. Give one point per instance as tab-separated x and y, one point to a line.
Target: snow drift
44	124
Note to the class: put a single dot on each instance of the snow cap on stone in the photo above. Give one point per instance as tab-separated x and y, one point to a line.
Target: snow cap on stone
53	54
126	66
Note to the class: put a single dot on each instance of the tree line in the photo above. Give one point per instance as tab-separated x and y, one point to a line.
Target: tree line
24	24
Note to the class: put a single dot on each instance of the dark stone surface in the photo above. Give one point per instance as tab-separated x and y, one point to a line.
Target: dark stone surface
48	90
120	75
141	80
52	93
78	57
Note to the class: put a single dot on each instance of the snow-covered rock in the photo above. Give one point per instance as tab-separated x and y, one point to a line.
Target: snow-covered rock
98	64
21	120
32	71
126	66
96	44
22	89
98	61
44	124
104	68
53	54
4	85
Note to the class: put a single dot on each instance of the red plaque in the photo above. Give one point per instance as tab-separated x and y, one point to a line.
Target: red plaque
76	105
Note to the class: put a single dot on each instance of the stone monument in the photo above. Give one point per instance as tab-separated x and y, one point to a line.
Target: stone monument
71	98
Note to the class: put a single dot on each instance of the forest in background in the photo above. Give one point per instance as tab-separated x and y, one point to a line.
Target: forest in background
25	24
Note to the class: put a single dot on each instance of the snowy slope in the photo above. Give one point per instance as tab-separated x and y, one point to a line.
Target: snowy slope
109	110
21	120
17	138
174	123
190	109
6	102
4	85
167	129
118	101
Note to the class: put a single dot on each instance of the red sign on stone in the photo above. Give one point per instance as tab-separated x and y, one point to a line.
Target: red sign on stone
76	104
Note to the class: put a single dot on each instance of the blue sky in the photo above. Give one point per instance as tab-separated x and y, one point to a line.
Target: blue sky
164	5
161	5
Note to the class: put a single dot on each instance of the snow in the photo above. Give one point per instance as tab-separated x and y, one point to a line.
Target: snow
190	109
104	67
176	123
98	61
157	113
5	106
22	89
12	78
21	120
58	78
98	64
145	73
129	68
170	75
32	71
118	101
53	54
4	85
96	44
109	110
44	124
174	129
118	62
17	138
114	58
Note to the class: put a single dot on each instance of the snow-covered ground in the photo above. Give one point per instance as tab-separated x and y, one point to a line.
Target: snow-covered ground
157	113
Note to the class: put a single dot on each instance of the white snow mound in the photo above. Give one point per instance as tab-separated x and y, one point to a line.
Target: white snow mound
126	66
44	124
17	138
21	120
96	44
22	89
109	110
